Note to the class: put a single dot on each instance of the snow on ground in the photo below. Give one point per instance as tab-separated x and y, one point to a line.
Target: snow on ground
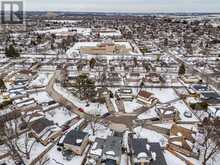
93	108
47	67
192	160
172	159
4	149
64	21
152	136
41	97
114	104
123	159
5	111
192	127
36	150
164	95
148	114
42	79
214	110
181	107
7	160
56	158
83	31
60	30
115	33
60	115
100	130
164	125
130	106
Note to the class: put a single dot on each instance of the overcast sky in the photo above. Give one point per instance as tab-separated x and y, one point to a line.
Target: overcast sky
124	5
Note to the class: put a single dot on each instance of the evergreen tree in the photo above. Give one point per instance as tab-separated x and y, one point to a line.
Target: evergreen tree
85	86
11	52
2	85
182	69
92	63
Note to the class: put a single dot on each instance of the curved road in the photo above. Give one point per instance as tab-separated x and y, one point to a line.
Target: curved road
60	98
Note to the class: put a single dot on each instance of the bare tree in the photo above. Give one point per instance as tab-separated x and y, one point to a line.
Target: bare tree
16	139
211	142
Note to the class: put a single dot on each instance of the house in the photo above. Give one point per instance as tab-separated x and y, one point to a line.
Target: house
146	153
113	77
189	79
146	98
5	120
166	112
112	150
214	111
44	130
182	140
76	141
96	151
182	146
133	77
124	94
200	88
211	97
178	130
152	78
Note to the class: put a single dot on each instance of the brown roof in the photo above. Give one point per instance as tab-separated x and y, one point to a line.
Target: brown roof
39	125
10	116
145	94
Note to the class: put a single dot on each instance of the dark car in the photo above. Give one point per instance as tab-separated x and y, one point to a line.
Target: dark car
154	119
106	115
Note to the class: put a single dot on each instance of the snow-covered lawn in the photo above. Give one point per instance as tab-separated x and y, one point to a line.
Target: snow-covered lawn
124	158
152	136
148	114
115	33
172	159
93	108
164	125
60	115
7	160
64	21
41	97
83	31
181	107
100	131
56	158
36	150
130	106
114	104
163	94
47	67
42	79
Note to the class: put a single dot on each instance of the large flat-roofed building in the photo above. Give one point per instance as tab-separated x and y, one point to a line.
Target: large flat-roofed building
106	48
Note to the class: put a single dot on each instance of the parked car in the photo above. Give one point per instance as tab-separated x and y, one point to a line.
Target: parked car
106	115
81	110
65	127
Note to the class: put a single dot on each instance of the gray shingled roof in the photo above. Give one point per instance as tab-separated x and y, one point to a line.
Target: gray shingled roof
160	160
113	143
139	146
72	136
100	143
